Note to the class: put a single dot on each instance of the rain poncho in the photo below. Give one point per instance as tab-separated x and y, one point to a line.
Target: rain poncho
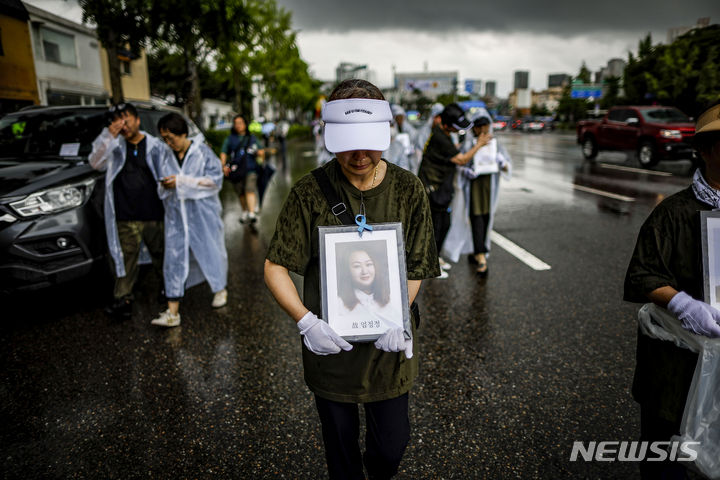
194	232
701	417
108	154
459	238
402	151
423	133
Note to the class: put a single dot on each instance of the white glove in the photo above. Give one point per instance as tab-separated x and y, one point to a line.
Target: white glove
696	316
319	337
394	341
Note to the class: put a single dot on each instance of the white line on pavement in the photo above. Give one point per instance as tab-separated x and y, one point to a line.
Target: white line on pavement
308	153
614	196
518	252
636	170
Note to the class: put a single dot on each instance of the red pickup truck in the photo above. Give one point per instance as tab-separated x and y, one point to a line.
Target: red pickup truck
655	133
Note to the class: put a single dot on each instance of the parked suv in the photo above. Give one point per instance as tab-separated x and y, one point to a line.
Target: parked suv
655	133
51	200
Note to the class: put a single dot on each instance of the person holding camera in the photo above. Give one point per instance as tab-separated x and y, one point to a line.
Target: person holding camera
133	210
192	178
239	157
437	170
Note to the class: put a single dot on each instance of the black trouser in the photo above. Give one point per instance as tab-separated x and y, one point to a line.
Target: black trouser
653	429
441	224
387	435
478	224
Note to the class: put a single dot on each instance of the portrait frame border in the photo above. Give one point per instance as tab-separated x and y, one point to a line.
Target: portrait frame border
705	216
324	232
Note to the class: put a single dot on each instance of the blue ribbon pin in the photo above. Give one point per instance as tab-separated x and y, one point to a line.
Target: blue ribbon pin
362	224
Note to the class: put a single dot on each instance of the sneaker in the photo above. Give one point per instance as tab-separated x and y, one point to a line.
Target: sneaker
443	264
167	319
443	274
220	299
243	217
252	218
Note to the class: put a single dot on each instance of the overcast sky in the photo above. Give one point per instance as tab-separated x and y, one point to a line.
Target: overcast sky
478	39
482	40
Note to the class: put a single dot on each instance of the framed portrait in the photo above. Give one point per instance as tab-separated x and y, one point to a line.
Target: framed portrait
710	230
363	281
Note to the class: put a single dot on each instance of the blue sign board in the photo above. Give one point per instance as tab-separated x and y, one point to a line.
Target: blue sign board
469	84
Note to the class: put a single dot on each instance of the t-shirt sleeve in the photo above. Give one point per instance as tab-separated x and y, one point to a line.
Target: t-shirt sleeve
420	250
290	245
226	145
649	266
446	149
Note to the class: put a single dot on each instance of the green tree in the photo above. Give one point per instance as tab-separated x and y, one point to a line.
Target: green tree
683	74
120	24
196	29
584	75
612	91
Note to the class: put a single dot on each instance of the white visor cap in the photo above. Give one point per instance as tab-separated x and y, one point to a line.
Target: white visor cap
357	124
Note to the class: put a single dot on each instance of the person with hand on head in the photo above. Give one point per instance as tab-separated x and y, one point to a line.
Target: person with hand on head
191	180
133	211
666	268
340	374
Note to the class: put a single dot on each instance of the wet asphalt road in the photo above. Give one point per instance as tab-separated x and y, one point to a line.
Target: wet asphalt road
513	368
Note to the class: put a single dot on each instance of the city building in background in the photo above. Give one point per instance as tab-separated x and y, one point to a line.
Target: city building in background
558	80
67	60
676	32
522	80
490	89
18	83
429	84
348	70
134	74
216	114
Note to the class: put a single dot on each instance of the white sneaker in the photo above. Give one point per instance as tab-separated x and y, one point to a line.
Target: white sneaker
167	319
443	274
443	264
243	217
220	299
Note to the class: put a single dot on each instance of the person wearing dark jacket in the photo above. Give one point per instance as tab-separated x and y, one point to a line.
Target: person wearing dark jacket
666	269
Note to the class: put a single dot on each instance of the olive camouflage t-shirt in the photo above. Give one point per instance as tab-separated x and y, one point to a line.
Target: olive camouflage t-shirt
364	374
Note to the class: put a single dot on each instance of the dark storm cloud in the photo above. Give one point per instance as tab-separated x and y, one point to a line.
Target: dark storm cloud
557	17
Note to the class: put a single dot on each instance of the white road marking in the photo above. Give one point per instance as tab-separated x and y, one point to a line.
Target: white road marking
308	153
636	170
614	196
518	252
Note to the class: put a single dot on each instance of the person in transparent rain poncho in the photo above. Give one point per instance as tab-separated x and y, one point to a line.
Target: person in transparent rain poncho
194	233
133	212
477	185
402	151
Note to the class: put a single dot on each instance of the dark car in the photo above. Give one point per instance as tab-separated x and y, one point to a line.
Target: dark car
51	201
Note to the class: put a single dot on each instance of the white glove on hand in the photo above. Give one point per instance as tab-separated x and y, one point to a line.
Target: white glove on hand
695	316
319	337
394	341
